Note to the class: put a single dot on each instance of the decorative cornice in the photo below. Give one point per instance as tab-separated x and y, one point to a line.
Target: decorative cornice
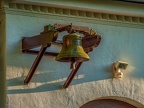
66	12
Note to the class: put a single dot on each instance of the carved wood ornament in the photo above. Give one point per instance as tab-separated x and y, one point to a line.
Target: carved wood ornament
45	39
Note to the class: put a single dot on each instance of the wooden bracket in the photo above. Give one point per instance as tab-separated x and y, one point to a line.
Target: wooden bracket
90	40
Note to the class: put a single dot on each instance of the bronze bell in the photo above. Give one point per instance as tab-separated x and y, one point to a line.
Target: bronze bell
72	50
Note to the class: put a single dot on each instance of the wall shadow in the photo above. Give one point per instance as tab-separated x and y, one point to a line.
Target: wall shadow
50	81
53	74
41	88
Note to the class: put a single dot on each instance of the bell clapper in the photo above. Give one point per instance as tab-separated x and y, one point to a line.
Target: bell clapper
72	63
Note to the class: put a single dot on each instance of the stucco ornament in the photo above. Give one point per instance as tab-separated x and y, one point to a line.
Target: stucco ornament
118	68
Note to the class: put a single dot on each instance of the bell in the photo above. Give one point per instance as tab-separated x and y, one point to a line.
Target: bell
72	50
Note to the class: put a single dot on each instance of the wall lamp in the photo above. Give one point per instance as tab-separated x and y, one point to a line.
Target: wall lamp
118	68
45	39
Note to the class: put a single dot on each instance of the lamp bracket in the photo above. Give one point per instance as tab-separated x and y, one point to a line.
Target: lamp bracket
45	39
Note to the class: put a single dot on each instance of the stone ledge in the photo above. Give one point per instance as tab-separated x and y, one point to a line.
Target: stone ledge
76	13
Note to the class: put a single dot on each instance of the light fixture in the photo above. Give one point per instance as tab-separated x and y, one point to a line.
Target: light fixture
45	39
118	68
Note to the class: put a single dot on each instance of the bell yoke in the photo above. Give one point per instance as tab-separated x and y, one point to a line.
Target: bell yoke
75	48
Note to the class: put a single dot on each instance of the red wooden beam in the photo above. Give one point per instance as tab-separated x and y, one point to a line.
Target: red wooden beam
71	75
35	64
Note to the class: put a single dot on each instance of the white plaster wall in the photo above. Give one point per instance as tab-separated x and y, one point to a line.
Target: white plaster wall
94	78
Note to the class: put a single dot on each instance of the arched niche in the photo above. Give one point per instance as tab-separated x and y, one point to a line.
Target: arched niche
112	102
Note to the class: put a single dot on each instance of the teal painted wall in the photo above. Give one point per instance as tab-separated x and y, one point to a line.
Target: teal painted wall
95	77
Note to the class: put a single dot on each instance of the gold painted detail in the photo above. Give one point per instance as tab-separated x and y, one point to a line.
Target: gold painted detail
76	13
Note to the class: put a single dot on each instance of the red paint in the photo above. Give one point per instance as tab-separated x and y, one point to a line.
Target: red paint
107	103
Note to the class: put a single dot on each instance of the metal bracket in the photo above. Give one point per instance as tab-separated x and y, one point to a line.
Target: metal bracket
90	40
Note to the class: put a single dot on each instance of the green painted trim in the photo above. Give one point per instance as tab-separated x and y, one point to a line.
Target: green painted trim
2	62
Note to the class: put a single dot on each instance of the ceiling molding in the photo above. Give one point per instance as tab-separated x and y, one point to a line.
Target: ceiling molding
75	13
107	6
